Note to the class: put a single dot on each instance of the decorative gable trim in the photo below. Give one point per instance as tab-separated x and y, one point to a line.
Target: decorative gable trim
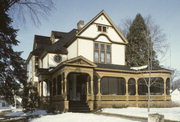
93	39
79	61
109	20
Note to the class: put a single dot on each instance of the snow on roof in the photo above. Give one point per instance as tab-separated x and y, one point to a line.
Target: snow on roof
140	67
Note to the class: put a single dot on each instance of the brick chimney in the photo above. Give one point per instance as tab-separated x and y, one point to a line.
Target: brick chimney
80	24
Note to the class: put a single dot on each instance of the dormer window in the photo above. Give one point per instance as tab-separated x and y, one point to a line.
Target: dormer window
102	28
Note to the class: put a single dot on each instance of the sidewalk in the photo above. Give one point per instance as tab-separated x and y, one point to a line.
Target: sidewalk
135	118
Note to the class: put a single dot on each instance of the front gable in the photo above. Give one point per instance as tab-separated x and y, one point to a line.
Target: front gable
102	20
90	30
79	61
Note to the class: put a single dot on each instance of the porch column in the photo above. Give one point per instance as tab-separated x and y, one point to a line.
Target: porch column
65	86
44	88
66	103
99	86
165	87
91	102
48	88
127	86
136	86
127	95
92	90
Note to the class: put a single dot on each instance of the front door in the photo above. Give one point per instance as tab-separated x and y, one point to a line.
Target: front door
77	87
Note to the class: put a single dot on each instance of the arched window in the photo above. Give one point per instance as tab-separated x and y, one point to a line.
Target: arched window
54	86
113	85
156	86
59	85
131	86
168	86
142	87
50	88
95	84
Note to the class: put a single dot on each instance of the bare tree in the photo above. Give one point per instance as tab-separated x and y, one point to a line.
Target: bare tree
148	80
28	10
175	78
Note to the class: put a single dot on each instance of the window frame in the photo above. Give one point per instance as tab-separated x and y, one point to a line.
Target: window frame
102	28
99	50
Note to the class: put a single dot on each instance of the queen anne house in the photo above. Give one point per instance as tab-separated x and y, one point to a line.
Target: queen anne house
86	69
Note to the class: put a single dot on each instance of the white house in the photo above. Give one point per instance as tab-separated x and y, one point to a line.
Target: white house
86	67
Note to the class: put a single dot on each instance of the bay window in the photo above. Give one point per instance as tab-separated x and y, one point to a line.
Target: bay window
102	53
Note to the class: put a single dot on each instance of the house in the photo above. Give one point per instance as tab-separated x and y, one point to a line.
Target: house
87	67
3	103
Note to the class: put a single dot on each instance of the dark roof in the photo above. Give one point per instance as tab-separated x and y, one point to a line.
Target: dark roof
58	34
113	66
43	44
41	41
36	52
124	67
58	47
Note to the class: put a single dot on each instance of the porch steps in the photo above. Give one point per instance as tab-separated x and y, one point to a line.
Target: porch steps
78	106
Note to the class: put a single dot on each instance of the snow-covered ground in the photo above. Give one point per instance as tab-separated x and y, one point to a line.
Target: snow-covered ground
19	112
169	113
5	108
79	117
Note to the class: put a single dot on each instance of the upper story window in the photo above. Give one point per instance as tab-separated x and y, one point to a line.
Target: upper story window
102	28
102	53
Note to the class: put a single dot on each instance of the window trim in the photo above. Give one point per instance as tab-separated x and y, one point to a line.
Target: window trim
100	28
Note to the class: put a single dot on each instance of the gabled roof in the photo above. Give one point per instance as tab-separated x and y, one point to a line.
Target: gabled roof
109	20
58	34
80	60
43	44
41	41
58	47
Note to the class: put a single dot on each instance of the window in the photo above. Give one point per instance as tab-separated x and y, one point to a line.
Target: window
131	86
102	28
108	54
54	86
102	56
57	58
168	86
99	28
157	86
113	85
96	52
59	85
102	53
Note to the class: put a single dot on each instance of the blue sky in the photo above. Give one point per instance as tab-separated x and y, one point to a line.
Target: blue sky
66	14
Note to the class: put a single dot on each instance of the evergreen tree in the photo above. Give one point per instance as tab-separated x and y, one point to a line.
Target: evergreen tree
31	98
12	66
139	44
